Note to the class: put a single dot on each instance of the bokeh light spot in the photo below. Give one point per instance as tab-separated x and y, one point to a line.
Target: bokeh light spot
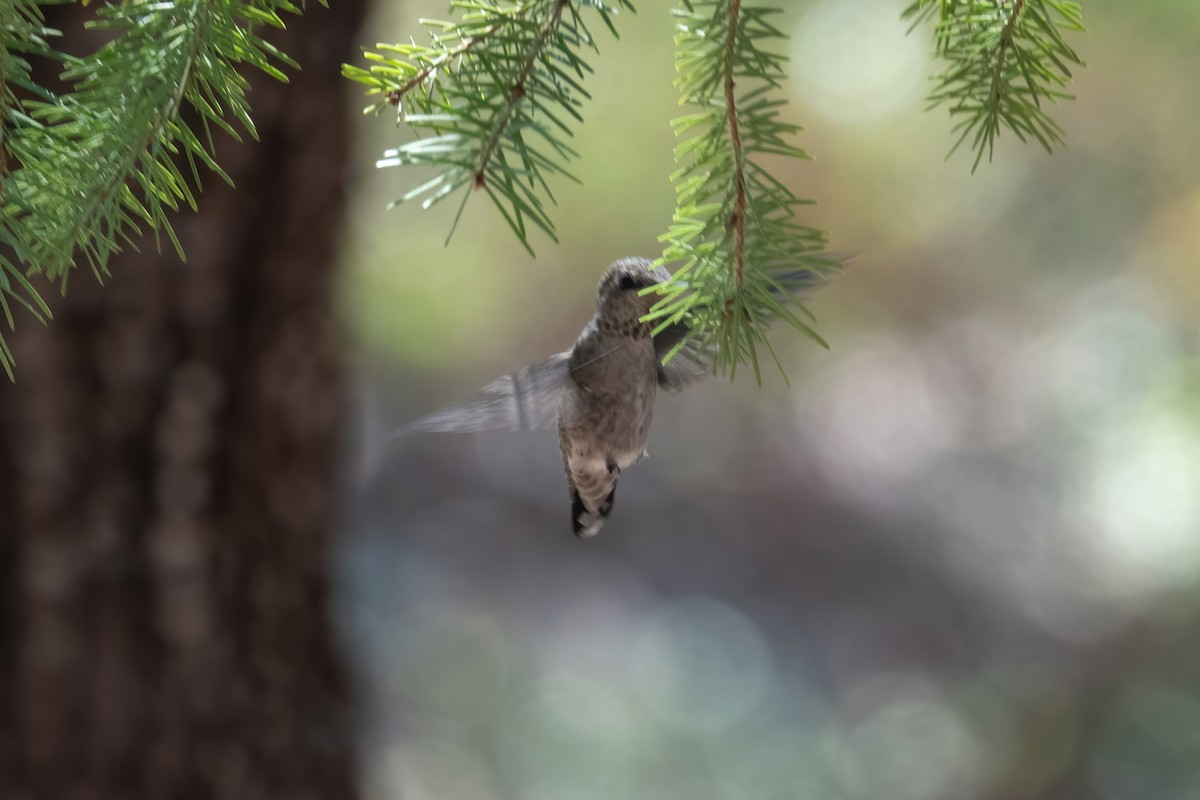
910	745
569	739
852	63
1145	505
700	664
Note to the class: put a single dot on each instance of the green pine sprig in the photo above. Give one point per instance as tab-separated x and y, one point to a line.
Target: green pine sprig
22	35
113	155
1006	61
743	254
493	99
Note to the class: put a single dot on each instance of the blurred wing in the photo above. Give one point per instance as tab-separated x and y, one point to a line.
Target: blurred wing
803	281
527	400
691	363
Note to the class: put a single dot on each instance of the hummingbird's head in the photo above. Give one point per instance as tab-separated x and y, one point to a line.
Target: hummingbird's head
619	295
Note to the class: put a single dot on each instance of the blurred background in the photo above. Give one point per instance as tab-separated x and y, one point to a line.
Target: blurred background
957	558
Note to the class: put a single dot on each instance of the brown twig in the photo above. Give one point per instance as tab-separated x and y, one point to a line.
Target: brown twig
737	219
394	96
1006	38
517	92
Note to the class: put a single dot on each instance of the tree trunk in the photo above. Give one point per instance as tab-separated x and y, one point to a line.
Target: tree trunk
167	461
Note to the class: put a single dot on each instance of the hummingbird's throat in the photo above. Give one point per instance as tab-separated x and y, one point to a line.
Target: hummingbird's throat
631	328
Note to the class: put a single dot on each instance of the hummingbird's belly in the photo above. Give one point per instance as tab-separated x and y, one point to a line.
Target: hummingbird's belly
616	429
608	419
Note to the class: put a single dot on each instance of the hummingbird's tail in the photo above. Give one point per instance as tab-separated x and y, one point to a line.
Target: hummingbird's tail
586	521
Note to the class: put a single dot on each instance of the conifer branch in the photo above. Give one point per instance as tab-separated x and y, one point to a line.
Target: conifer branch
1004	58
742	252
490	93
22	34
396	96
96	163
516	92
737	220
120	126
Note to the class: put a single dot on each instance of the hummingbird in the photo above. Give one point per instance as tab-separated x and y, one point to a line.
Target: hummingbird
600	394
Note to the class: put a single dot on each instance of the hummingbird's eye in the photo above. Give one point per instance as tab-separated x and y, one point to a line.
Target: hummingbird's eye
627	282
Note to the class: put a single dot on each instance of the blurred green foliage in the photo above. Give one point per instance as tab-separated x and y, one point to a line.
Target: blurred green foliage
84	167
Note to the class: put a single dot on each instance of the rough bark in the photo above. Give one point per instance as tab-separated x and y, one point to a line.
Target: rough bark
167	460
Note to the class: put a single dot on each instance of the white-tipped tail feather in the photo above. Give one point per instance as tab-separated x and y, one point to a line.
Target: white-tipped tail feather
587	522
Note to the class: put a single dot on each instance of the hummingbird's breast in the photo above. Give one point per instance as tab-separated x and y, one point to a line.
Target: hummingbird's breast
616	378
